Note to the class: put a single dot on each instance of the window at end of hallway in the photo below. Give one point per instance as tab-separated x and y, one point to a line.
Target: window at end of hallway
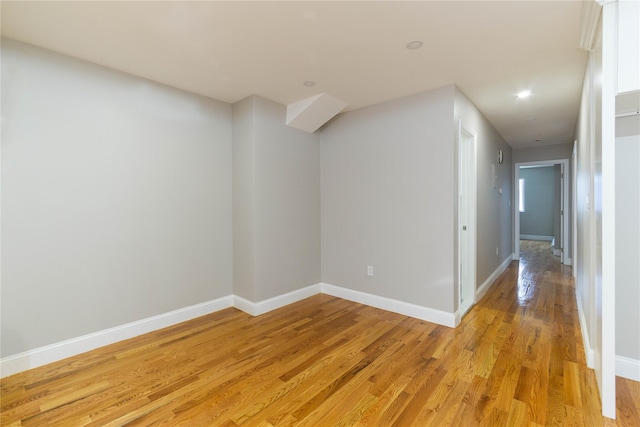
521	194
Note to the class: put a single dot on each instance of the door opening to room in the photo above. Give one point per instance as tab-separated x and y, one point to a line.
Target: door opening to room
541	208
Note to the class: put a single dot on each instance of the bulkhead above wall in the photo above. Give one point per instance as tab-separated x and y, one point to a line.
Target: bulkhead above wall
313	112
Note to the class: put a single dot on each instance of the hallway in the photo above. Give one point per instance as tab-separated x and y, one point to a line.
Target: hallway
543	301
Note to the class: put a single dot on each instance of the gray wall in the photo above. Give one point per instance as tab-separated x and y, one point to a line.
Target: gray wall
388	199
116	198
276	202
389	185
129	199
588	136
494	218
546	152
244	276
539	194
628	238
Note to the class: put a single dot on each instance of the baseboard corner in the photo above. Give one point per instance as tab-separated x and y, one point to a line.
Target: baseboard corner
279	301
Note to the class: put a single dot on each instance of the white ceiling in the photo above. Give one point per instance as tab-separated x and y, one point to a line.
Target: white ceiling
354	51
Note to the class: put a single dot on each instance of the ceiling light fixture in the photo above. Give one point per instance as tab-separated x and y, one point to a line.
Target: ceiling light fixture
524	94
416	44
309	83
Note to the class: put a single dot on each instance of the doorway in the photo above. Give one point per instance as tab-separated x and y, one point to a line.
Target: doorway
466	219
561	248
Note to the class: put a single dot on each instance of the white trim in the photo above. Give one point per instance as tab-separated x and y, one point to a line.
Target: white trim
605	283
589	353
482	290
265	306
244	305
556	252
466	262
54	352
574	211
51	353
61	350
568	261
630	114
412	310
535	237
628	368
533	166
589	23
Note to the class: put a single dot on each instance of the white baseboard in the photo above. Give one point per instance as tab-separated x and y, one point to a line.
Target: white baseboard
457	317
51	353
555	252
412	310
535	237
628	368
568	261
589	353
261	307
482	290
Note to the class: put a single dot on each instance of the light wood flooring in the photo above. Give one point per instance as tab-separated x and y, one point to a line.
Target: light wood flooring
515	360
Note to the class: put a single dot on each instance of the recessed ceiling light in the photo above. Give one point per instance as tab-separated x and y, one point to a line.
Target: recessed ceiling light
309	83
524	94
416	44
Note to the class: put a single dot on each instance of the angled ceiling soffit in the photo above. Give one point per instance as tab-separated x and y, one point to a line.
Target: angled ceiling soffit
313	112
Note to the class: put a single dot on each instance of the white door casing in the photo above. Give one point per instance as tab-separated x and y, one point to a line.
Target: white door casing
466	219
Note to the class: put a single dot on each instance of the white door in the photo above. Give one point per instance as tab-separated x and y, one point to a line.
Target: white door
563	243
466	220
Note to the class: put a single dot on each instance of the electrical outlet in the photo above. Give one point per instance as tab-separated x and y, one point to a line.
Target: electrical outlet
496	250
369	271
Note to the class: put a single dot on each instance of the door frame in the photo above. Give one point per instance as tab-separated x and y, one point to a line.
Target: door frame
565	256
470	174
574	211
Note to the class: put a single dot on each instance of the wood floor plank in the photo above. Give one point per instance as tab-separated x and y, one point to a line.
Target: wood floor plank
518	414
517	358
628	407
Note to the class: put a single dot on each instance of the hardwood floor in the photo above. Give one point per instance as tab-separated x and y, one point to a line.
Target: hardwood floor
516	359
